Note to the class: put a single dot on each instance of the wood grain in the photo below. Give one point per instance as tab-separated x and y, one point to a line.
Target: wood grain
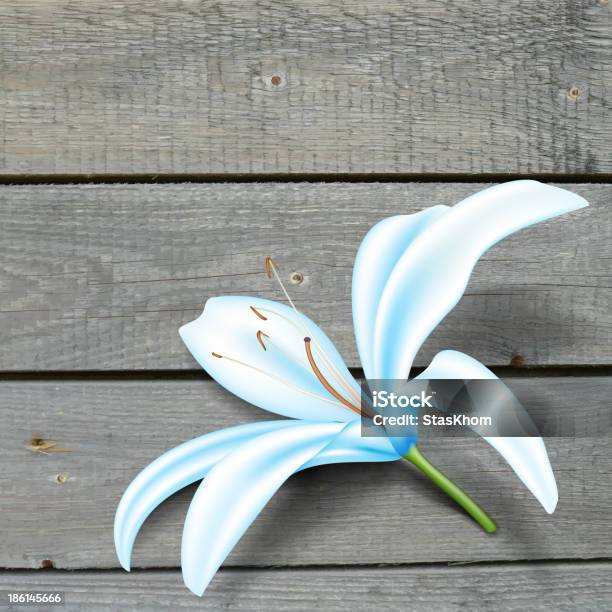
304	86
564	587
100	277
60	506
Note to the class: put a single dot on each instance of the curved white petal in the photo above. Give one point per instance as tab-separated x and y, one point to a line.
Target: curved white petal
526	456
431	275
378	253
280	378
174	470
235	491
350	447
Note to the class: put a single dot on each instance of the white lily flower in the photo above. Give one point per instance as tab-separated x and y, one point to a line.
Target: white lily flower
410	271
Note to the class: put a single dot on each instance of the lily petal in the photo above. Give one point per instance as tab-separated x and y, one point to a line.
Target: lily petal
349	446
174	470
256	349
378	253
526	456
432	273
237	489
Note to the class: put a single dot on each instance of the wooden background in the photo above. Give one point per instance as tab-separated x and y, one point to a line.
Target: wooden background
151	156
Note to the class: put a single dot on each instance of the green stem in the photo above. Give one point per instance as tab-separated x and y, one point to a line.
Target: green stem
417	458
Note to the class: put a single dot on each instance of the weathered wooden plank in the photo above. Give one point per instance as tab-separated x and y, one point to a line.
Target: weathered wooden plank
546	586
304	86
60	506
101	277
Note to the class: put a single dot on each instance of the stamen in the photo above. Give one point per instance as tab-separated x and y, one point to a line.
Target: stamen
217	355
259	336
258	313
327	361
279	379
272	269
323	380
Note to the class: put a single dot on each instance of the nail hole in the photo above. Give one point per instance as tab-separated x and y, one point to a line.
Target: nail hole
518	361
573	93
46	564
61	478
276	80
296	278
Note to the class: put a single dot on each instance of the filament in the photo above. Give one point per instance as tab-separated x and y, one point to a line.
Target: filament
277	378
260	334
272	269
328	362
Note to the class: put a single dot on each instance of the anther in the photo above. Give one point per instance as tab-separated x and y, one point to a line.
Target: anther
259	338
270	265
258	313
217	355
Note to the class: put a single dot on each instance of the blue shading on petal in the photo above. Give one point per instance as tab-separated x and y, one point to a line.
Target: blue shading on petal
236	490
432	274
279	378
526	456
402	445
378	253
349	446
174	470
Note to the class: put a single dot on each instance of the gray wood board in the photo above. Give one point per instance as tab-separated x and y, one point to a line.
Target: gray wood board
60	506
304	87
562	587
100	277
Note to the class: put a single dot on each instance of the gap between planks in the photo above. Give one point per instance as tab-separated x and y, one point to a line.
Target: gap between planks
375	177
586	371
315	567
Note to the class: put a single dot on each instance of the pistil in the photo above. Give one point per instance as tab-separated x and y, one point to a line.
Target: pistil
324	381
